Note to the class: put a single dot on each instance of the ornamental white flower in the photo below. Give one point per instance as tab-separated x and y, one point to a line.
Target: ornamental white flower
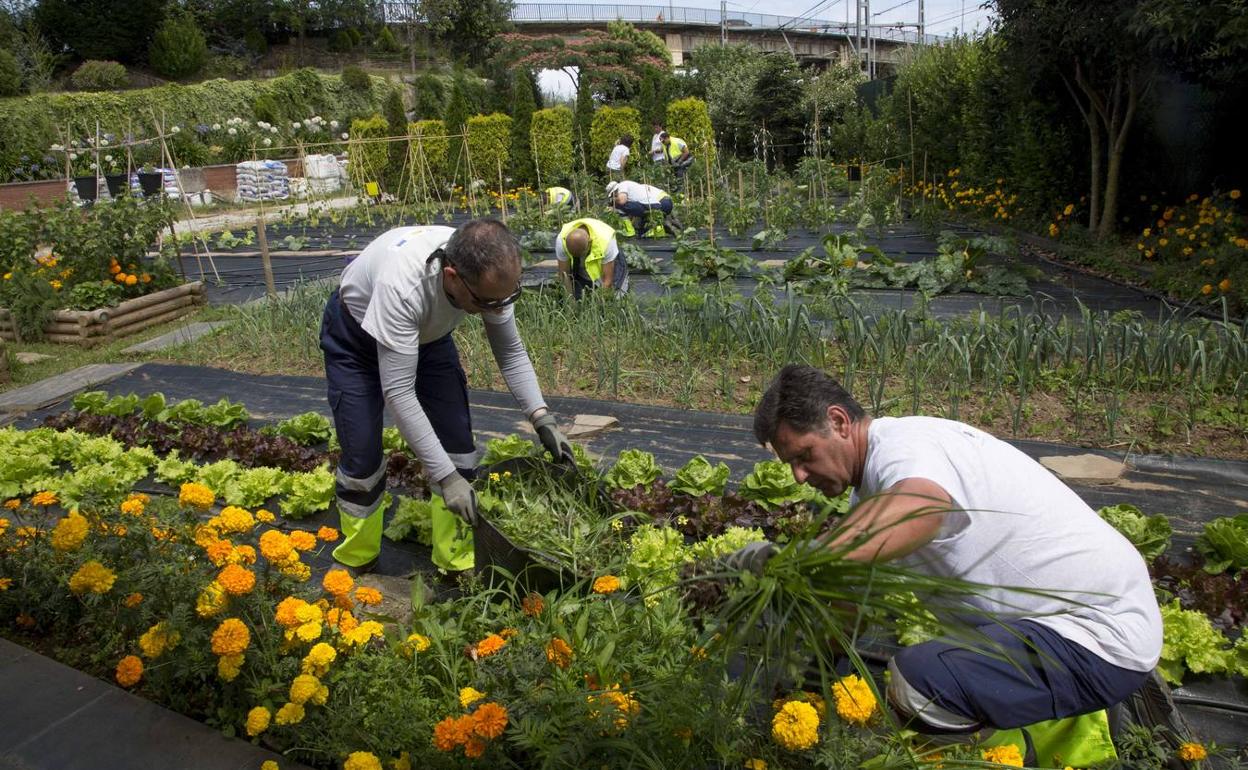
57	148
267	141
344	136
296	125
108	158
216	126
103	142
73	156
94	165
333	124
174	130
273	129
233	131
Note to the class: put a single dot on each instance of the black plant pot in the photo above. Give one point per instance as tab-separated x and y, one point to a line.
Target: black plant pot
87	187
855	173
151	182
118	184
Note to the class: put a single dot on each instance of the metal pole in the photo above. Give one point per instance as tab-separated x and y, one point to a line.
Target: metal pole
922	24
723	22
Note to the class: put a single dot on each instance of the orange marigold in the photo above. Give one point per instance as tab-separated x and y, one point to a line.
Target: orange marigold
337	582
231	637
533	604
490	645
607	584
129	671
451	732
366	595
44	498
489	720
303	541
559	653
236	580
474	747
196	496
327	534
287	610
275	545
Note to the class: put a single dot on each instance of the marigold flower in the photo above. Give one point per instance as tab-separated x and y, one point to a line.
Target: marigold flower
69	532
855	703
1206	289
533	604
327	534
362	633
367	596
452	732
220	552
286	611
269	764
129	671
474	747
469	696
342	620
265	517
755	764
1234	194
258	720
194	495
490	645
275	545
559	653
158	640
414	643
337	582
1003	755
402	762
304	688
211	600
489	720
607	584
361	760
236	520
132	507
303	541
231	637
796	726
1192	752
92	577
317	661
236	580
12	503
296	569
624	705
44	498
1224	285
6	583
290	714
228	667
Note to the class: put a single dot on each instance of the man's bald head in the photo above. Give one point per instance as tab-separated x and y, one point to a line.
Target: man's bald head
578	242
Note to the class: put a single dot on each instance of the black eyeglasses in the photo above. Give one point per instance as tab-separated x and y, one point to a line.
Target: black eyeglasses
484	304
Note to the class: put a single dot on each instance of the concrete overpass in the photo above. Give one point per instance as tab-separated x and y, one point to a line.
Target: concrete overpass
684	29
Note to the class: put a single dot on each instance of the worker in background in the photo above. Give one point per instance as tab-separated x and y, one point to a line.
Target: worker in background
676	153
636	201
1083	634
657	151
618	162
588	256
386	335
558	197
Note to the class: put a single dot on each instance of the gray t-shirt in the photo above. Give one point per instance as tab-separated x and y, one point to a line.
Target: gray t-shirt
394	291
1019	526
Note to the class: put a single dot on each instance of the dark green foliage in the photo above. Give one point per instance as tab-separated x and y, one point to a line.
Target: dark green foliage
386	42
179	49
356	79
429	97
255	41
101	29
582	120
396	120
522	108
99	76
651	101
342	41
456	119
10	74
265	108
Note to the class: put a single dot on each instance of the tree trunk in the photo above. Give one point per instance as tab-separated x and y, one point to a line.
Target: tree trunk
1118	130
1091	119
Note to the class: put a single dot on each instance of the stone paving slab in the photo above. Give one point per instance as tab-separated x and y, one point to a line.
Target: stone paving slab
62	719
53	389
179	336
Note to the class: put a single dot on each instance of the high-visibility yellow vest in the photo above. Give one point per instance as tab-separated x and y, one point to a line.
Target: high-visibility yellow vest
558	195
675	148
600	234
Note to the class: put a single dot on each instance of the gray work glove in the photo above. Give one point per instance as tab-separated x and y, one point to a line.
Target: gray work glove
459	497
750	558
554	441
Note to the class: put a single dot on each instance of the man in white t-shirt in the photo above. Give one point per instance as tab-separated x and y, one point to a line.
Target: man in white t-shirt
635	201
950	500
386	335
618	160
658	153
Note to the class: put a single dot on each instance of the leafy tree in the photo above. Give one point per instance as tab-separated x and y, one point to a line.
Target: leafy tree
429	97
10	74
117	30
777	106
178	48
612	63
522	108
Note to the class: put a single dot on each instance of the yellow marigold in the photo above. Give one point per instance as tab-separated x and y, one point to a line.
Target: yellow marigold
796	726
1224	285
269	764
303	688
158	640
4	526
12	504
559	653
1003	755
490	645
92	577
402	762
211	600
236	580
220	552
287	610
235	519
228	667
533	604
129	671
469	696
489	720
296	569
342	620
367	596
414	643
308	632
318	659
231	637
361	760
855	703
1234	195
363	632
303	541
509	632
132	507
755	764
1193	752
264	516
327	534
6	583
607	584
69	532
44	498
290	714
258	720
194	495
337	582
275	545
622	705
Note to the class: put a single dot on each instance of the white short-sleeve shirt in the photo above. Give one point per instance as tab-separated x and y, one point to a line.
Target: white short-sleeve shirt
1020	526
618	154
646	194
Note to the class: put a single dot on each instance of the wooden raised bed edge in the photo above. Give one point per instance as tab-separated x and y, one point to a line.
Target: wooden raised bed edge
93	327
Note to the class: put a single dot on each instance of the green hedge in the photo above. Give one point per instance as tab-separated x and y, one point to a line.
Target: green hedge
489	143
427	153
551	139
366	161
610	123
689	119
30	125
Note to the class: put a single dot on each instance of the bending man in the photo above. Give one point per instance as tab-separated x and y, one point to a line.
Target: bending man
636	201
587	256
